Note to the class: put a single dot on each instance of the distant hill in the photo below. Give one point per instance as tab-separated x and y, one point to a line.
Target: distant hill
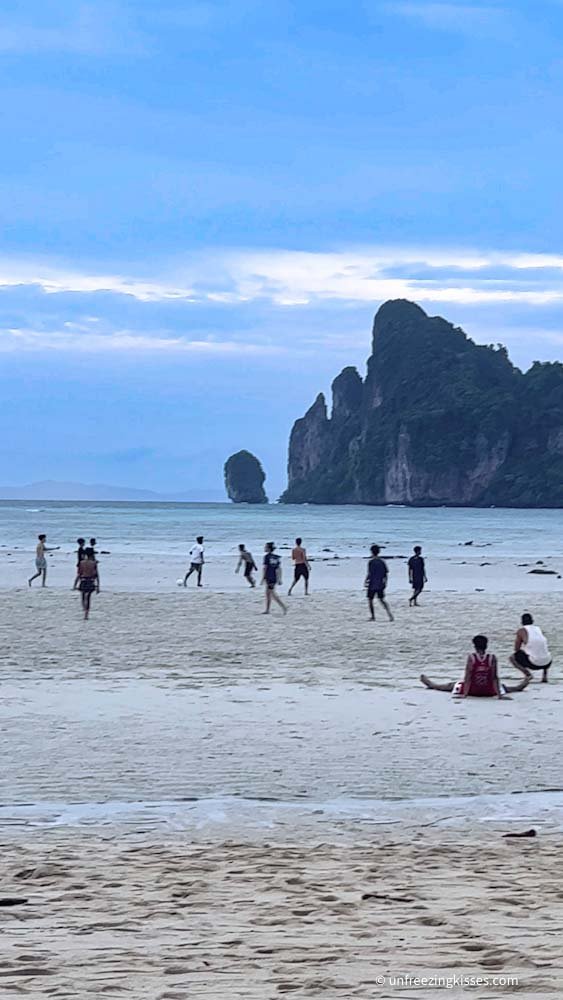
437	420
53	490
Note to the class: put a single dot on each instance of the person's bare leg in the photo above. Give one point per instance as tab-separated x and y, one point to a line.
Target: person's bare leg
34	577
291	588
199	573
387	608
437	687
87	598
371	609
523	670
44	576
544	676
306	587
511	688
268	601
187	576
279	601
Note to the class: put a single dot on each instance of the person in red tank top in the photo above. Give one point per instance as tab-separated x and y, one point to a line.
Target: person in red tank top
481	676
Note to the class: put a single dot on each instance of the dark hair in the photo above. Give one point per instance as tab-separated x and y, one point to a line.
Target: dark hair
199	539
89	553
241	546
41	537
527	618
92	542
270	546
480	642
417	549
375	550
80	541
298	541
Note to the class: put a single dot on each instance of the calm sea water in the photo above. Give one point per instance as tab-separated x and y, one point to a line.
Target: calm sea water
170	528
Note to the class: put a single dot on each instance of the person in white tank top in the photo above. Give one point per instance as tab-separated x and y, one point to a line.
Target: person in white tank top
531	651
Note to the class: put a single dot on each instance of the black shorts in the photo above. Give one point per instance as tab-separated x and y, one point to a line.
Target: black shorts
418	585
271	584
380	594
523	660
301	570
248	567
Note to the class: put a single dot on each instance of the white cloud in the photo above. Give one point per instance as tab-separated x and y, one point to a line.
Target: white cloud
82	310
298	278
467	18
123	341
82	29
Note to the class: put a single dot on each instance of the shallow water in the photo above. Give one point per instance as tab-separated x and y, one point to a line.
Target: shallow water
170	528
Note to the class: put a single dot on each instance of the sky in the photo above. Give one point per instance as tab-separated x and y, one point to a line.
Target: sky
203	204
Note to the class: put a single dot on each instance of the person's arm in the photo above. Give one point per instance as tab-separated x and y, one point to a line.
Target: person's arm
97	579
424	571
410	571
521	638
51	548
467	677
279	574
263	580
239	564
496	681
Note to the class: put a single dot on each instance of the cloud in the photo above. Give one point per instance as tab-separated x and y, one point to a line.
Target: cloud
297	278
472	19
242	303
124	341
85	29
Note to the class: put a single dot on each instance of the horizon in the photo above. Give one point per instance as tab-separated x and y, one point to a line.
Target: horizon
204	205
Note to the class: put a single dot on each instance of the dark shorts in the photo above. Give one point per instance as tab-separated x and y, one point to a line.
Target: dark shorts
523	660
271	584
373	592
418	585
301	570
248	567
87	586
197	566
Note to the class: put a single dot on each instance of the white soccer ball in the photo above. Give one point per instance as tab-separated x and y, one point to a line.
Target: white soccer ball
179	582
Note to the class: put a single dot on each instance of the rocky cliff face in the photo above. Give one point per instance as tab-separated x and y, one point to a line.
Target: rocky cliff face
437	420
244	479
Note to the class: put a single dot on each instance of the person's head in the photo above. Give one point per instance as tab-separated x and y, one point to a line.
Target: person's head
90	554
81	542
527	619
269	546
199	539
42	537
417	550
242	547
375	550
298	541
480	642
92	542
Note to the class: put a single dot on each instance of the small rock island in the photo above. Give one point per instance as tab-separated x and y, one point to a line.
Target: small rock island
244	478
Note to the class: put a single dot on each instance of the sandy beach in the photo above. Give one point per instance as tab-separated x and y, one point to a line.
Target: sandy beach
196	798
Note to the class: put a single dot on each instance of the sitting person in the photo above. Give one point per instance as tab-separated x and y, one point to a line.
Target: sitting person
531	651
481	678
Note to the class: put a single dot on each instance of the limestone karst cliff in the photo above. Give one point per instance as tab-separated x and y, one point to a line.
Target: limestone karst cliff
437	420
244	478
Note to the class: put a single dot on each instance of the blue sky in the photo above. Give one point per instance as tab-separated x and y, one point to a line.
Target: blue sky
203	205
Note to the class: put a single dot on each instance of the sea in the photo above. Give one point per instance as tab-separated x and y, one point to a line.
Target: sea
170	528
